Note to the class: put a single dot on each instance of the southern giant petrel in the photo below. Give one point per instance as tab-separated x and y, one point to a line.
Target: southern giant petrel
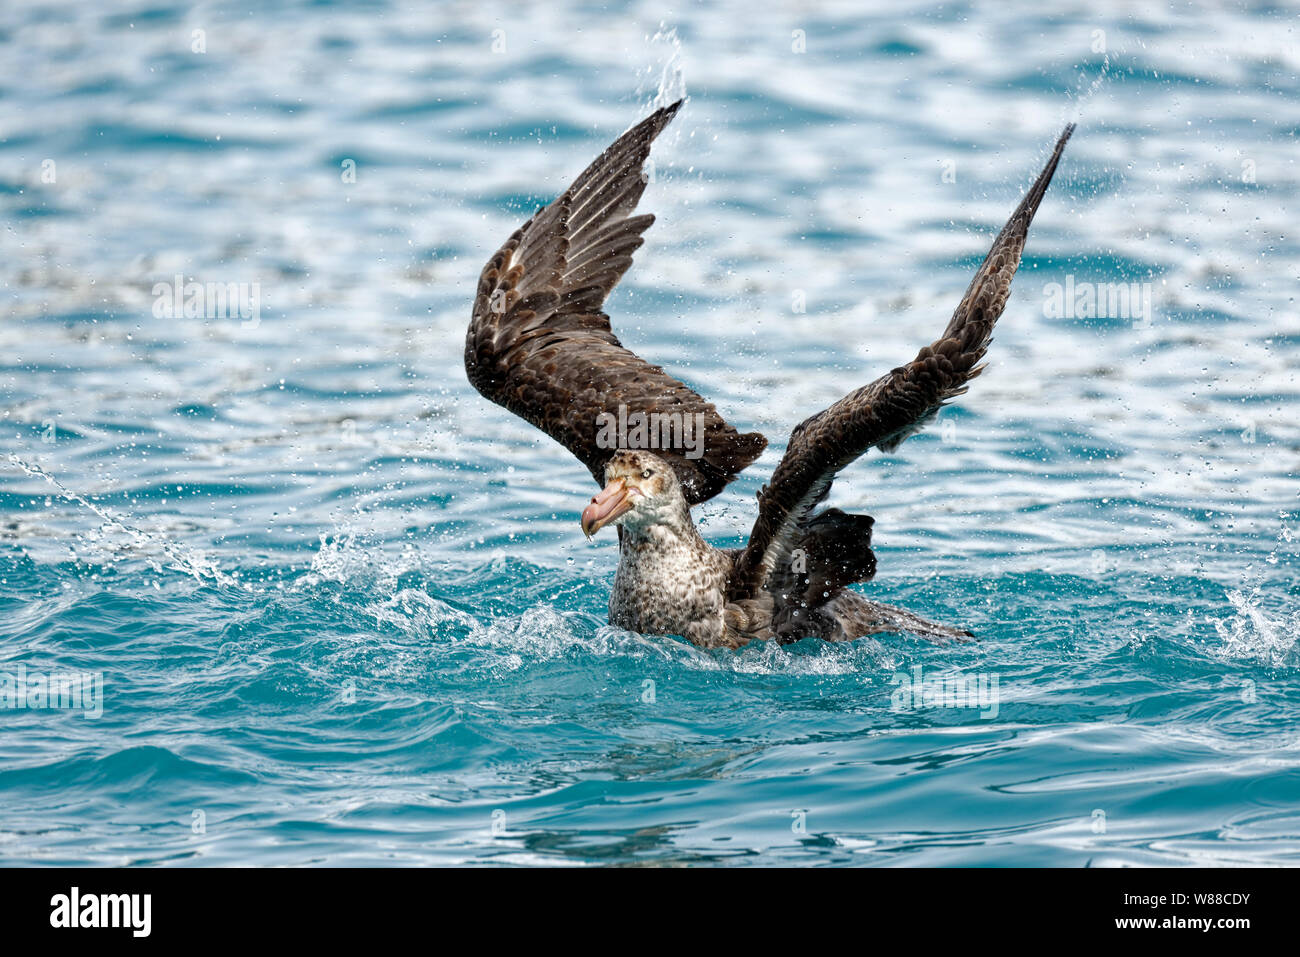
540	345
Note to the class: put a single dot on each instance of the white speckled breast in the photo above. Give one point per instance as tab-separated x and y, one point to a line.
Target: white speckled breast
670	582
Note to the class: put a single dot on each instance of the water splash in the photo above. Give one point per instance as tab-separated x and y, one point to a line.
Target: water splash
672	82
1255	634
1284	538
350	555
1081	100
333	560
189	560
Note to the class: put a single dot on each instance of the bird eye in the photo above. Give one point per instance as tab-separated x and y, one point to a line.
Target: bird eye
647	473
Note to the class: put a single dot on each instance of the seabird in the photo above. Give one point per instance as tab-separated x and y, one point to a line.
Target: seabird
540	344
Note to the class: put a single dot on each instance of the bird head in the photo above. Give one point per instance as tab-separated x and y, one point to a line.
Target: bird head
640	489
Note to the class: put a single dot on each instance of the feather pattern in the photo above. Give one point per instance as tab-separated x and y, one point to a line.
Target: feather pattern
540	345
888	410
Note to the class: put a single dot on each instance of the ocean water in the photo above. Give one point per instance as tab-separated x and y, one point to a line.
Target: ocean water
340	605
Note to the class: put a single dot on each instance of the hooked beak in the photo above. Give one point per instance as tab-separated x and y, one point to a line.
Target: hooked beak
614	500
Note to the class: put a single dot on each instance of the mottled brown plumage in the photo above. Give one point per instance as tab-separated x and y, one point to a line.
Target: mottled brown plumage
895	406
539	345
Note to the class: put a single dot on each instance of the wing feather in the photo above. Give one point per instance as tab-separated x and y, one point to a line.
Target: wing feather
540	345
885	412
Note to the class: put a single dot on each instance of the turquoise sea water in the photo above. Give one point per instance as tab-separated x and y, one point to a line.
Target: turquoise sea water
340	604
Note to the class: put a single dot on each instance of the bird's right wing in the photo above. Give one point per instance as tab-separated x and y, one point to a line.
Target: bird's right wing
884	413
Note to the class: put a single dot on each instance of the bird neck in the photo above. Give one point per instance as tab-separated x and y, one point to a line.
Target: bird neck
673	530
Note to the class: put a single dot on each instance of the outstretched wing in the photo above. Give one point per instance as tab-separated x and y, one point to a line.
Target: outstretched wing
890	409
540	346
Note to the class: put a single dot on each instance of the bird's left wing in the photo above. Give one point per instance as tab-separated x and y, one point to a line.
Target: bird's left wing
540	345
887	411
